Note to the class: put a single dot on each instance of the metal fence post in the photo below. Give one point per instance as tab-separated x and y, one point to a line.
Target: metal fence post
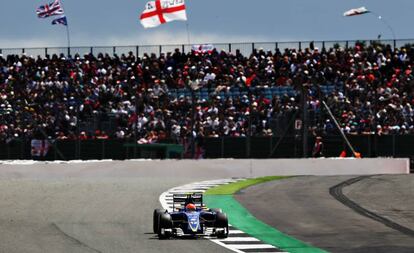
160	50
271	147
369	146
8	151
222	147
23	50
253	47
45	51
77	145
54	151
137	51
183	48
68	52
346	44
114	51
276	46
300	45
79	150
22	148
305	118
395	44
323	45
103	149
135	151
1	51
248	139
393	145
91	51
229	47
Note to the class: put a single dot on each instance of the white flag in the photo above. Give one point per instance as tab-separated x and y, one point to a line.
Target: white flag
162	11
357	11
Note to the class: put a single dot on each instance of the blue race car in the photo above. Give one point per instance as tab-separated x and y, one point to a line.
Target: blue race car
190	217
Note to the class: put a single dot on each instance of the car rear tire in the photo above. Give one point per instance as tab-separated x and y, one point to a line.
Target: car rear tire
223	234
164	222
157	213
223	223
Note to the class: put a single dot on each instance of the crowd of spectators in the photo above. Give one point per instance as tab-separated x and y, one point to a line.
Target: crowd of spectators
53	95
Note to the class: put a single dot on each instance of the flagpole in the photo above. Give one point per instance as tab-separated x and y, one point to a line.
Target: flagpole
68	33
67	29
379	17
383	21
188	33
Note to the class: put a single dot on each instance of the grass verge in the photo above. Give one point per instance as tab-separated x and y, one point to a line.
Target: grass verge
232	188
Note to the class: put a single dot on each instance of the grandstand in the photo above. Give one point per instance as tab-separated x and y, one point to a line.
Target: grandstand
177	95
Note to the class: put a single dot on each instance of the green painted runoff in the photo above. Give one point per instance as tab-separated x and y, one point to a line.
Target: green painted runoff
241	218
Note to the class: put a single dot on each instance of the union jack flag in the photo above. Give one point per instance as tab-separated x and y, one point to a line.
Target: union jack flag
51	9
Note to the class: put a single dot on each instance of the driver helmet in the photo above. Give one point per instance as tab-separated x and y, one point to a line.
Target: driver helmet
190	207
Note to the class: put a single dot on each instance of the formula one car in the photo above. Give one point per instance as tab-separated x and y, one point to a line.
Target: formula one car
190	217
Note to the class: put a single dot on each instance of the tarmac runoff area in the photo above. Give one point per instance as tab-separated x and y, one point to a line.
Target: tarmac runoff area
341	213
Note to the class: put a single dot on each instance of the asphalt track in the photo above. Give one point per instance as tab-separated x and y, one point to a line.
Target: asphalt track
107	207
339	214
97	207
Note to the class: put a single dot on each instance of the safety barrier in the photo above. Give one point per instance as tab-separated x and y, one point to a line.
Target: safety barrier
225	147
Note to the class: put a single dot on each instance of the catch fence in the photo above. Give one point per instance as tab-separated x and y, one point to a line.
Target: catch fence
246	48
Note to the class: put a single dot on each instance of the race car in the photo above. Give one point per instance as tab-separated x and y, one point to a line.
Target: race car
191	218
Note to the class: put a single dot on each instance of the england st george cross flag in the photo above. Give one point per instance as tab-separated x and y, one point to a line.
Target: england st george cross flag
162	11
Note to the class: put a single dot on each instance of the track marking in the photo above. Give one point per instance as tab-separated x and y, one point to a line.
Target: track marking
337	193
238	241
74	240
235	232
251	246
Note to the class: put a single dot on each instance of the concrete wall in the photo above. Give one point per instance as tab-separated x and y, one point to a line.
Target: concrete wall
334	166
213	169
256	168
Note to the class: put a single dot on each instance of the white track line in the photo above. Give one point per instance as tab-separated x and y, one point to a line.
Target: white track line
251	246
236	232
240	239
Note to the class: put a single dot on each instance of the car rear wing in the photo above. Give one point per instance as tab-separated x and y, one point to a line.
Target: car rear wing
181	200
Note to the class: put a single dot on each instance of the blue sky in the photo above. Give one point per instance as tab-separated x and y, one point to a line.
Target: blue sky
104	22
